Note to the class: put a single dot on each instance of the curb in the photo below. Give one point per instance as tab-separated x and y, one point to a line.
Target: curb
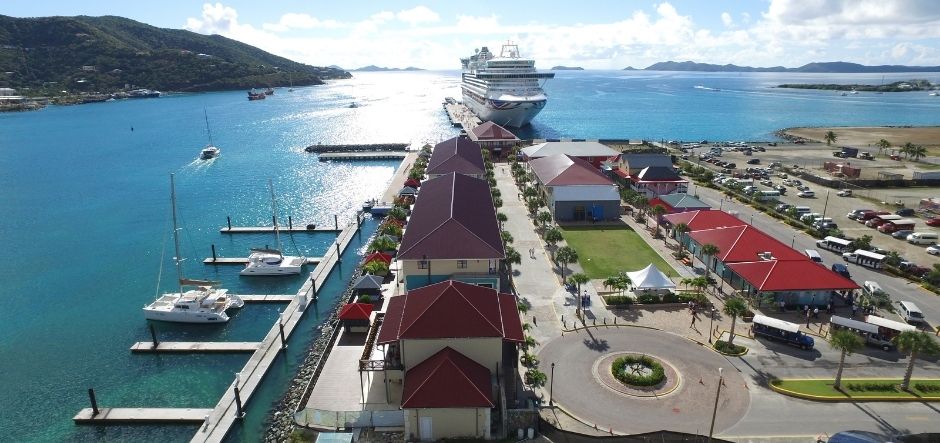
833	399
700	343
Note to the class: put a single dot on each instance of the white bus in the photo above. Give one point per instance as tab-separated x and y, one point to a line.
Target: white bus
862	257
834	244
768	196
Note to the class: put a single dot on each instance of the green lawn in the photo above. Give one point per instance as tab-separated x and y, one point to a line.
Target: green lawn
855	387
609	250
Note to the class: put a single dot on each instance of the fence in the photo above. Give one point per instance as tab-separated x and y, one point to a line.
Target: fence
333	420
562	436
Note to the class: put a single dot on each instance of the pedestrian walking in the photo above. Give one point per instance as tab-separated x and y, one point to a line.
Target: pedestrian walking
692	326
782	306
829	308
854	310
531	252
816	312
807	318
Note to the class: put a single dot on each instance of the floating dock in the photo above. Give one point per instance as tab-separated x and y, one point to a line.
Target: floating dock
244	260
183	347
461	116
142	415
267	298
362	156
376	147
270	229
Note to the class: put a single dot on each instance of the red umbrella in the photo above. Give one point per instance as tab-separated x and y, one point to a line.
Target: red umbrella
387	259
356	311
414	183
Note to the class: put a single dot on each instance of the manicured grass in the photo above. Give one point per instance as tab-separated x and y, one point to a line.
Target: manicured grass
864	388
608	250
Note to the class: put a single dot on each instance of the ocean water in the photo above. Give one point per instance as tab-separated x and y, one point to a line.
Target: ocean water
84	212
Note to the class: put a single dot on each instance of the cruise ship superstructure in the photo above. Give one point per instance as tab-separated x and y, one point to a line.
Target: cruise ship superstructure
505	90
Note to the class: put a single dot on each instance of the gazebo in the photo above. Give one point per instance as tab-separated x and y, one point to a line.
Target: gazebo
407	190
378	256
368	285
651	280
412	183
355	316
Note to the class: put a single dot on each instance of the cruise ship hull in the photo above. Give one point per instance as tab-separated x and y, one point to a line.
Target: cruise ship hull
506	113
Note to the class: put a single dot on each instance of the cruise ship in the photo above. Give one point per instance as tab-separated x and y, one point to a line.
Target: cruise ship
505	90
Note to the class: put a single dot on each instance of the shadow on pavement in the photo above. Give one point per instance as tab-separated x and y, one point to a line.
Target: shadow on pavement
783	348
594	344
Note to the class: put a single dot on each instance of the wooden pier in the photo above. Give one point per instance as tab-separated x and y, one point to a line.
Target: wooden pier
244	260
267	298
362	156
183	347
375	147
142	415
270	229
461	116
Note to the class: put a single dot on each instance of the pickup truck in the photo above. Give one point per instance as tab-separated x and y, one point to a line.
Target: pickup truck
845	193
865	156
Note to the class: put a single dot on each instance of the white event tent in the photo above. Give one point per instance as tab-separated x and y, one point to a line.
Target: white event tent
650	278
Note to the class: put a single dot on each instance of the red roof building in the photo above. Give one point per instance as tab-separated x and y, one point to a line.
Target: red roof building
494	138
574	189
355	311
743	244
447	379
378	256
790	276
699	220
458	155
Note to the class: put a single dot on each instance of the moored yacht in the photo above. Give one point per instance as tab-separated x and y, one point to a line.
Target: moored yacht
505	89
210	151
205	304
266	261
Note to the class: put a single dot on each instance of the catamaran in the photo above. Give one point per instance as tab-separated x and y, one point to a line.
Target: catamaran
204	304
266	261
210	151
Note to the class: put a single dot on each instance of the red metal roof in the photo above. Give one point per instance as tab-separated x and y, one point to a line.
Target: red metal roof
447	379
355	311
492	131
698	220
791	275
561	169
378	256
459	155
413	182
744	244
451	309
453	219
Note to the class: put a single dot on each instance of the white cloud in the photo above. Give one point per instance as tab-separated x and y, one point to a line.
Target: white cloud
726	19
477	25
293	20
216	19
745	18
416	15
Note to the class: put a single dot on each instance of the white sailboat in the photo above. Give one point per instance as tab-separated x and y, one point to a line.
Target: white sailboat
265	261
204	304
210	151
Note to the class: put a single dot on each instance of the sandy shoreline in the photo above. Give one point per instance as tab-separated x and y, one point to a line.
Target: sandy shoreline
863	136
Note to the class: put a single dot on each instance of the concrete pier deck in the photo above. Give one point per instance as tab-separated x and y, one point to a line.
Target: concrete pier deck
460	115
362	156
267	298
373	147
182	347
270	229
244	260
399	178
142	415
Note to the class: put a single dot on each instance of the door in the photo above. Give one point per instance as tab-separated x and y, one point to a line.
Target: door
579	213
426	434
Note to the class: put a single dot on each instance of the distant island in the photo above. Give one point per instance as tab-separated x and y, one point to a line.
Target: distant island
96	56
823	67
373	68
902	86
629	68
567	68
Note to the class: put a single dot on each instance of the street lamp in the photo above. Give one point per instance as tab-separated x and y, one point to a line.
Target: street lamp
752	219
721	204
792	242
551	387
711	430
826	204
711	321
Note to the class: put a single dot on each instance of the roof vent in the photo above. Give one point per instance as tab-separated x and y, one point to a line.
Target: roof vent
766	255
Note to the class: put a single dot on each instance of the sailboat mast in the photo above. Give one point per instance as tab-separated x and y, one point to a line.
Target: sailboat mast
176	237
277	235
206	114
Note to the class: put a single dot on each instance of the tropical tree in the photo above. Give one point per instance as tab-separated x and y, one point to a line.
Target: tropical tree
398	213
906	149
883	146
376	267
512	257
543	218
501	217
566	255
533	205
497	202
610	282
392	229
507	237
830	138
918	151
679	230
552	237
530	192
709	250
495	192
641	203
914	343
847	342
893	258
863	242
658	211
699	283
734	307
383	244
623	283
578	279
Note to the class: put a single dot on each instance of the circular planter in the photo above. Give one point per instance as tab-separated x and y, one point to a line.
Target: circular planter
604	373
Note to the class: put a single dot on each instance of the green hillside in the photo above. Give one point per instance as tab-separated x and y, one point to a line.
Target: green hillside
47	55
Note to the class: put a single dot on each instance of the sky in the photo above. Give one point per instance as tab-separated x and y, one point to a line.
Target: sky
591	34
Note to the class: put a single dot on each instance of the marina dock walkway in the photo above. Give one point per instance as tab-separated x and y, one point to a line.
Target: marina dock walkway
460	115
270	229
244	260
183	347
362	156
399	178
142	415
267	298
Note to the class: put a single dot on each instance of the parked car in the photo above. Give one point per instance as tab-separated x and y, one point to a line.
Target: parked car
753	161
933	249
905	212
902	234
782	189
803	188
782	207
933	222
845	193
806	194
841	269
865	156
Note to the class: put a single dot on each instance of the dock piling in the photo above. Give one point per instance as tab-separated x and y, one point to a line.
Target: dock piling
290	222
280	325
239	413
213	253
228	219
94	402
205	425
336	224
274	220
339	255
153	337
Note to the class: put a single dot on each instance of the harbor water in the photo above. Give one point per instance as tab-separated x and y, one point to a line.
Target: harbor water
85	212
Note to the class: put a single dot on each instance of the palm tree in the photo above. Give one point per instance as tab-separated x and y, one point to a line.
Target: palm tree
507	237
883	146
709	250
830	138
543	218
512	257
566	255
502	218
918	151
579	279
679	230
610	282
906	149
847	342
623	283
914	343
658	211
552	237
735	307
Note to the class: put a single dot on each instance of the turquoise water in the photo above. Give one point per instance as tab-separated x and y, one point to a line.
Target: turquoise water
84	212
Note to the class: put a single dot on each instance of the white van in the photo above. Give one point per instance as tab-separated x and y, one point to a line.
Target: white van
870	288
800	210
910	312
922	238
814	255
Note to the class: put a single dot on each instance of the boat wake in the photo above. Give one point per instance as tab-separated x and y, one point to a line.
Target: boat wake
199	163
707	88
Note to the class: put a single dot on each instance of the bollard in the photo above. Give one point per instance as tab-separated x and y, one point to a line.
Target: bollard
273	220
280	325
336	223
339	255
615	320
595	321
290	222
153	336
205	425
213	252
239	414
605	321
229	221
94	402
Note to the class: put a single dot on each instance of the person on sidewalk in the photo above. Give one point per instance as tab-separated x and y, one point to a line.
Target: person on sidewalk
816	312
692	326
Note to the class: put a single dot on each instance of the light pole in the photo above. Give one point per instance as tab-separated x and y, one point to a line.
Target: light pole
826	204
721	204
551	387
792	242
711	429
752	219
711	322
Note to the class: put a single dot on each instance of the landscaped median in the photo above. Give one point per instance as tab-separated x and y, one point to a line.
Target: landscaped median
859	389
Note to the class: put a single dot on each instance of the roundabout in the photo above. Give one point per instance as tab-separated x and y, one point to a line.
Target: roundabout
587	387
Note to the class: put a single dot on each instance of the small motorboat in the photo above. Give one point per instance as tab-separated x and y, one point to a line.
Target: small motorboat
209	152
254	95
269	91
353	105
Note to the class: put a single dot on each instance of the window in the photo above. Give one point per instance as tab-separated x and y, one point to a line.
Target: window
461	264
486	285
423	264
